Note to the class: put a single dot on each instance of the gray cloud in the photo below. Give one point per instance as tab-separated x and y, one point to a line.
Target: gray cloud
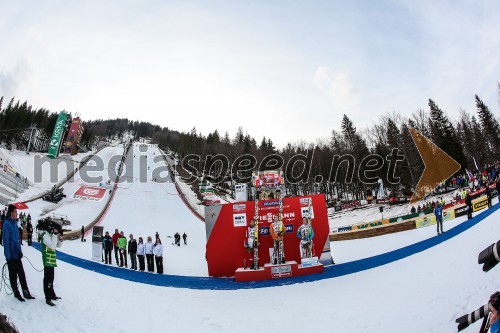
13	80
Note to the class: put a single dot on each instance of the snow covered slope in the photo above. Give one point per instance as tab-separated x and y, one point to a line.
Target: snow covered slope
143	207
81	212
421	293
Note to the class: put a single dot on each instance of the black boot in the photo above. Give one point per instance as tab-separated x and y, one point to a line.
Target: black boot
55	298
27	295
49	302
19	297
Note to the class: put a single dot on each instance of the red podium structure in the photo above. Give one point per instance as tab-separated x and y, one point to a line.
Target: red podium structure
226	227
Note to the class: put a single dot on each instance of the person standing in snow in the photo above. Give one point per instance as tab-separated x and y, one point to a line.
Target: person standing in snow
468	202
132	251
107	244
438	212
29	228
148	249
50	240
83	232
115	237
184	237
158	252
488	194
122	245
13	254
177	238
140	254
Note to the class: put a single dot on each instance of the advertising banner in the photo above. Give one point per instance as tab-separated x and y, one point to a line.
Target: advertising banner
55	140
241	192
479	204
97	234
426	221
370	224
448	215
90	193
460	211
268	179
227	225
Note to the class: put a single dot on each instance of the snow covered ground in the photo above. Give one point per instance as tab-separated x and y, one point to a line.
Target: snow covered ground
80	212
425	292
143	208
421	293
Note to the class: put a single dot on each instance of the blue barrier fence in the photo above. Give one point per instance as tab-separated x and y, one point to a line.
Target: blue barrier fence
209	283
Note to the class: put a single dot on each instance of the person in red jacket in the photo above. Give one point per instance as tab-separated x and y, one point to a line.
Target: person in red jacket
115	237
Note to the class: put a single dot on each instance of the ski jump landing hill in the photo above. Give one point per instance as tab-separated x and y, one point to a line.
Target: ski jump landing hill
142	207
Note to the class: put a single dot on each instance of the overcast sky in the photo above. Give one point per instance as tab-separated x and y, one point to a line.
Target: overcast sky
288	70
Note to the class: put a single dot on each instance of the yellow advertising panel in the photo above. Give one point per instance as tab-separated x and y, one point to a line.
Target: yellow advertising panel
448	214
370	225
479	204
426	221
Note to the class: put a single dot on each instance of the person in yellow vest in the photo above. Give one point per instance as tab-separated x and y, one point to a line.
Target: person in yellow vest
50	240
277	229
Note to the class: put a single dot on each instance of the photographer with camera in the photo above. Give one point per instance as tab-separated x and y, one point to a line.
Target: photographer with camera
50	239
13	254
494	304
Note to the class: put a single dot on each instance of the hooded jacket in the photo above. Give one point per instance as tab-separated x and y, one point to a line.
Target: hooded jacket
11	240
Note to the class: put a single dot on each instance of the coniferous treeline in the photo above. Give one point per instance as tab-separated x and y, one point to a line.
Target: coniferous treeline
470	137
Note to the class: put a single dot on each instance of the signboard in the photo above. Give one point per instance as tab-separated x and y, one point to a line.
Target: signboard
281	271
461	211
268	179
426	221
241	192
97	233
90	193
55	140
240	220
480	204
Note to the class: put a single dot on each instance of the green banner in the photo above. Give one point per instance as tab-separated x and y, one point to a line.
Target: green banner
55	140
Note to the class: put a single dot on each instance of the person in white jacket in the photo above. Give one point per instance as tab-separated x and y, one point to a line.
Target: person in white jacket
140	254
148	249
158	251
50	240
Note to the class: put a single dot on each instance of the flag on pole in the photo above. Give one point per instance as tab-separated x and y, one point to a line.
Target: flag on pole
469	174
475	163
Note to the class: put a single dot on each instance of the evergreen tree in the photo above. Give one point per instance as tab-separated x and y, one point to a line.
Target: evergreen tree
489	126
443	134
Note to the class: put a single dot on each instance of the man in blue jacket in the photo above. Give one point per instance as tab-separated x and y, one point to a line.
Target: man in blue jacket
13	254
438	211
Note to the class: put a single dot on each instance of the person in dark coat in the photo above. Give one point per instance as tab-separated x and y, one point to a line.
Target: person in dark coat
488	195
132	252
107	244
185	237
83	232
468	202
29	228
